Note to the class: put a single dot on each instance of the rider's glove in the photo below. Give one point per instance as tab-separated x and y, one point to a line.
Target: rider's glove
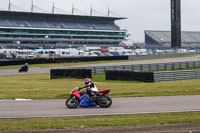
80	88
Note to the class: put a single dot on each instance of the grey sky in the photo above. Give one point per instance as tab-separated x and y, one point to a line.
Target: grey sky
142	14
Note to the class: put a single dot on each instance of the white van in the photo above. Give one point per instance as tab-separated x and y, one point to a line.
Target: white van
25	54
46	53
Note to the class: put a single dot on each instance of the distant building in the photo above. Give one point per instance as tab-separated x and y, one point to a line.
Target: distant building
27	28
189	38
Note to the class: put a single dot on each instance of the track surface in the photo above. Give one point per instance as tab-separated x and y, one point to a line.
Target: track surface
138	105
37	70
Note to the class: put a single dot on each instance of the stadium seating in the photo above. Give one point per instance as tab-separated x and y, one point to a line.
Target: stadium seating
31	28
56	24
164	37
3	22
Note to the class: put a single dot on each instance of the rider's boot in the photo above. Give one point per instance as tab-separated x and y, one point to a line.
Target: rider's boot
93	97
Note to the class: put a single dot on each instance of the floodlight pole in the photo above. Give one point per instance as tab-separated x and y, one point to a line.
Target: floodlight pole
72	9
91	11
32	6
9	5
175	24
53	8
108	11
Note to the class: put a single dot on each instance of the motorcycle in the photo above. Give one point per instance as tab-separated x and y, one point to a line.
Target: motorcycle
23	69
82	99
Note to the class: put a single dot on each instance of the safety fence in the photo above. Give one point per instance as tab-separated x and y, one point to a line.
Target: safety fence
168	55
145	67
144	72
176	75
62	60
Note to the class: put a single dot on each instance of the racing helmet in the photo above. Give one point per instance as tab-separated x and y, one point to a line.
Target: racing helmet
87	80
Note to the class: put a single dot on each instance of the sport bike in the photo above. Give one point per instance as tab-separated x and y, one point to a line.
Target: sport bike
82	99
23	69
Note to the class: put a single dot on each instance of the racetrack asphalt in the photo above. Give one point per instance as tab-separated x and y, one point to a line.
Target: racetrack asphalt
136	105
38	70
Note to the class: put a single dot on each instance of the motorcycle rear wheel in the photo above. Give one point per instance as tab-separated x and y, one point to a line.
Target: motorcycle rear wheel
72	103
105	104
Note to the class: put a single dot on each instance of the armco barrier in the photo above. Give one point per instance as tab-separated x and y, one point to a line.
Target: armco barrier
169	55
176	75
145	67
130	75
62	60
70	73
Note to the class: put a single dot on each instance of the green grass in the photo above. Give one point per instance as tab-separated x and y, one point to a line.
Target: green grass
99	121
40	86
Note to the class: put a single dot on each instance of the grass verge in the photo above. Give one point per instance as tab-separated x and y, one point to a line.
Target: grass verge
99	121
40	86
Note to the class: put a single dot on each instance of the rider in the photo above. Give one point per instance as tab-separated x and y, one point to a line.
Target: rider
26	66
91	88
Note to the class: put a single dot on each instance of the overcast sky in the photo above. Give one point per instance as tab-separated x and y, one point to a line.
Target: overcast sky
141	14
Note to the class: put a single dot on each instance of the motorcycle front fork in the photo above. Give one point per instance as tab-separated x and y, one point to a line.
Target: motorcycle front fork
73	98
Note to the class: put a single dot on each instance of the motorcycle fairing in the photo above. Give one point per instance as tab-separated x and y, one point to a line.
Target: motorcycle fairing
84	101
105	91
75	93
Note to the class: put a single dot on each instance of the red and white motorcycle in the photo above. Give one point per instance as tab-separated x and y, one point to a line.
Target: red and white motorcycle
82	99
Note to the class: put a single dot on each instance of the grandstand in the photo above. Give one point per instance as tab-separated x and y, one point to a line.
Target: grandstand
28	28
164	38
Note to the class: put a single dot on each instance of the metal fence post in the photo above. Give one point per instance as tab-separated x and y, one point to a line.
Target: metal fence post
149	67
180	65
123	68
173	66
157	66
141	67
95	70
187	64
132	67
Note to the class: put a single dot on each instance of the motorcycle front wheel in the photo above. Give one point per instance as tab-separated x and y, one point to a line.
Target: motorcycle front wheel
104	102
72	102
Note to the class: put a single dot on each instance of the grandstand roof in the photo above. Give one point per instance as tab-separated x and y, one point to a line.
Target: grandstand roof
59	21
162	37
33	15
